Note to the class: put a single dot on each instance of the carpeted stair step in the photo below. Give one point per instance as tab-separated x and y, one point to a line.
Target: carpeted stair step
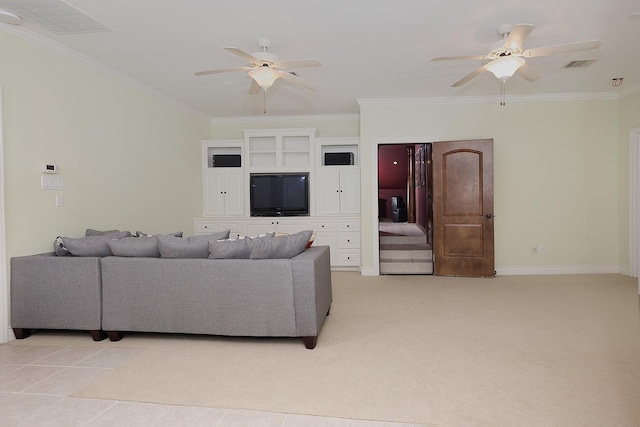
399	266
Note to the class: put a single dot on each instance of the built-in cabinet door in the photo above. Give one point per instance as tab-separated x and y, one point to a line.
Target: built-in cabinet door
338	191
349	190
234	204
328	191
224	193
215	184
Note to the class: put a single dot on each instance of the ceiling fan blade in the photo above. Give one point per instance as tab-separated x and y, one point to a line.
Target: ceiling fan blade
221	70
297	80
297	63
241	53
561	48
528	73
457	58
517	35
469	76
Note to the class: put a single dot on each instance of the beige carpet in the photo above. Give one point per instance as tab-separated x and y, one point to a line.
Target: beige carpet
540	350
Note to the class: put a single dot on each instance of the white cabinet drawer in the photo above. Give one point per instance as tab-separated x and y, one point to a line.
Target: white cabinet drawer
349	225
348	240
323	226
348	257
205	227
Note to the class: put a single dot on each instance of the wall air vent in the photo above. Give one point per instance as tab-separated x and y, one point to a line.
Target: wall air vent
580	63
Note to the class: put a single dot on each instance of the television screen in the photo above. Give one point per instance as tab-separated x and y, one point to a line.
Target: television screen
284	194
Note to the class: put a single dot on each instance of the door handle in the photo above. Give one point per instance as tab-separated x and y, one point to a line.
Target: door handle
489	216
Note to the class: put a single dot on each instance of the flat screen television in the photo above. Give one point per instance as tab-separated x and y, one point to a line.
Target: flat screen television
279	194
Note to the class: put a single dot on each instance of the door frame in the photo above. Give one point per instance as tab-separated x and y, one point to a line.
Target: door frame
634	203
373	208
5	335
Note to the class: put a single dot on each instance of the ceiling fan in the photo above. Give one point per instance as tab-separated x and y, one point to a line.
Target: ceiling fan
264	68
507	55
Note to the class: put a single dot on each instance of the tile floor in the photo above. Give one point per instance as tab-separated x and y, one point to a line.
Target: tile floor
36	383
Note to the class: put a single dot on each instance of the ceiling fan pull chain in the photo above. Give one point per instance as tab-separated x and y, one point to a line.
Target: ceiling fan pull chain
264	101
502	94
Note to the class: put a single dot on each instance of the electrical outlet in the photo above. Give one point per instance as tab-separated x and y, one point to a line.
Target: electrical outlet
541	249
534	249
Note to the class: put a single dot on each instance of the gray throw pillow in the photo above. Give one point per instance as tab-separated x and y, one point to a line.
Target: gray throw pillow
239	248
281	246
92	245
191	247
92	232
226	249
146	247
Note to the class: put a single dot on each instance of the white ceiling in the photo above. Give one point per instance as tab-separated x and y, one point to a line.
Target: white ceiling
370	49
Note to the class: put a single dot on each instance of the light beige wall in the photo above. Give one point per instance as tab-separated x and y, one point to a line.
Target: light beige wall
326	126
130	160
555	173
629	119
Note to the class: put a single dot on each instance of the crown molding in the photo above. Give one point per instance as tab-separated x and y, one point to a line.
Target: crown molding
488	99
270	119
38	40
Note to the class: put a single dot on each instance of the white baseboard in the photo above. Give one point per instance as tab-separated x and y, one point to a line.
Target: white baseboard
9	335
560	269
546	269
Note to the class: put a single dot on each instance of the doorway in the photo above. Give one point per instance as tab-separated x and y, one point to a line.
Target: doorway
459	200
404	209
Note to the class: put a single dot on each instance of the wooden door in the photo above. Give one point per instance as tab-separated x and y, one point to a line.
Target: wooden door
463	208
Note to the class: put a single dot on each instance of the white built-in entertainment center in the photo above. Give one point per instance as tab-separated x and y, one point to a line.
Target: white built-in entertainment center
230	168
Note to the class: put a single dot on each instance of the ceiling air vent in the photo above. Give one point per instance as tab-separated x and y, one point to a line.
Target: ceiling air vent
580	63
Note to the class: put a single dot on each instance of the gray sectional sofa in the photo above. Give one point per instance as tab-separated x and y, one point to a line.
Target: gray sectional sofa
112	295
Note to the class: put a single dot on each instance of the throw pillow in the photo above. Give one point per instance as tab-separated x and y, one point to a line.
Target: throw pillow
59	248
191	247
239	248
141	234
146	247
281	246
226	249
92	245
92	232
311	239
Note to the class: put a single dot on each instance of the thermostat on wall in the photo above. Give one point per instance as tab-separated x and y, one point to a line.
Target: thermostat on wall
49	168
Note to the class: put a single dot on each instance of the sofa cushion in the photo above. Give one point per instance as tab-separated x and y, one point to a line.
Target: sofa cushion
135	247
191	247
281	246
92	245
239	248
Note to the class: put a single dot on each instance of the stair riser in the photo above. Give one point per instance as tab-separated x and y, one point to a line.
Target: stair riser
408	255
406	268
402	239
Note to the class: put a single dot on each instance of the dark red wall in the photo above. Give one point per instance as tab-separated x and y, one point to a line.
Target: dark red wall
392	178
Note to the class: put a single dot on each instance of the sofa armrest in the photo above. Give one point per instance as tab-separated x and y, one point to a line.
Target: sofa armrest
311	289
51	292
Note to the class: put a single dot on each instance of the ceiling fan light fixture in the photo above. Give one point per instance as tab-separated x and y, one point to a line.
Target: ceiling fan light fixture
264	76
505	67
